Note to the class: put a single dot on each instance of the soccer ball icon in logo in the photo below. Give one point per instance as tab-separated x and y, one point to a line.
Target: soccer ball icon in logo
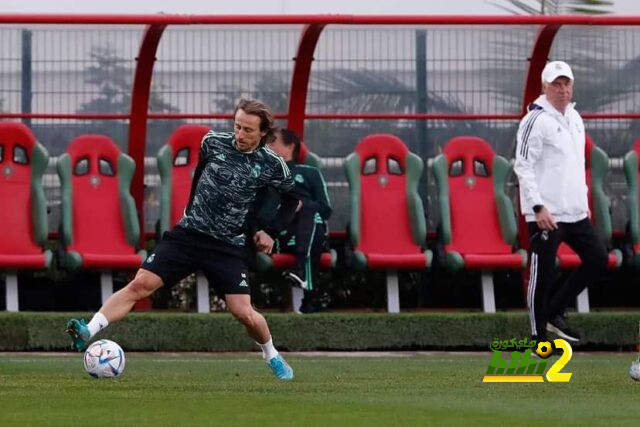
104	359
544	349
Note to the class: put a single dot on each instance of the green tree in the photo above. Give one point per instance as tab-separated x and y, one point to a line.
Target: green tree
112	75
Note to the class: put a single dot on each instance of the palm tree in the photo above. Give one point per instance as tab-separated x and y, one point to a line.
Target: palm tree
556	7
364	91
270	87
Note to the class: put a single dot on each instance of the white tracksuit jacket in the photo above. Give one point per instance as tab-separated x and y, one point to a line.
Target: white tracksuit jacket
550	162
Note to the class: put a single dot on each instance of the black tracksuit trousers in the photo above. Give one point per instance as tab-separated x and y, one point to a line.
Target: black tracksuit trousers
542	302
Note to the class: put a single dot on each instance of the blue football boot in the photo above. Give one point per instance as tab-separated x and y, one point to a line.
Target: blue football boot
79	333
280	368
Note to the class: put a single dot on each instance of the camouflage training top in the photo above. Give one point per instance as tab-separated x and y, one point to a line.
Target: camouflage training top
225	184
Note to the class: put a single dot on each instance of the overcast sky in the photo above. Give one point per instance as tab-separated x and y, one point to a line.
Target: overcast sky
250	7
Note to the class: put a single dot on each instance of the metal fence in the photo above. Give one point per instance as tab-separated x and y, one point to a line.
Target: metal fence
356	70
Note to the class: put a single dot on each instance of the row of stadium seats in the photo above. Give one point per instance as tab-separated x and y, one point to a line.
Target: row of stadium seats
99	228
387	228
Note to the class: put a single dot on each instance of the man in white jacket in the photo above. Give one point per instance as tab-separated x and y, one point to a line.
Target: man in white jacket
553	197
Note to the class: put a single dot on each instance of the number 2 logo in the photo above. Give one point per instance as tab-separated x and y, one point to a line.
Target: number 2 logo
554	374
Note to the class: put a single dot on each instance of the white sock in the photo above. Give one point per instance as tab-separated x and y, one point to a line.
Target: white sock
98	323
268	350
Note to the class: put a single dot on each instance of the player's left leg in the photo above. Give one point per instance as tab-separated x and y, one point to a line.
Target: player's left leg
256	325
583	239
230	277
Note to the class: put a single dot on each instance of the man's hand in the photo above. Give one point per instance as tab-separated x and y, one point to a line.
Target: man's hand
545	220
263	242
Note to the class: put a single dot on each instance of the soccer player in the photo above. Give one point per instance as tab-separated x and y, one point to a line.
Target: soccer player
306	235
553	197
212	234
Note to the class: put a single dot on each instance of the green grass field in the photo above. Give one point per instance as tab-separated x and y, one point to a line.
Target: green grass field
237	389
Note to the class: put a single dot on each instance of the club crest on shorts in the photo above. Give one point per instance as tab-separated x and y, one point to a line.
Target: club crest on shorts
150	258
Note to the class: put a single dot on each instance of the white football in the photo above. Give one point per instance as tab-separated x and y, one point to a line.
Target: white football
104	359
634	370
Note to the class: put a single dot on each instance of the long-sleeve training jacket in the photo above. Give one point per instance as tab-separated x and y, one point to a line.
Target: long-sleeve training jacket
225	187
550	162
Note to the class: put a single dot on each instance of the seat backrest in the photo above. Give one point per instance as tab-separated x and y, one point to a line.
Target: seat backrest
387	214
596	169
177	161
23	217
98	212
306	157
632	174
475	213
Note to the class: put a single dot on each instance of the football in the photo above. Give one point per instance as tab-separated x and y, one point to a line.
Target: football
104	359
634	370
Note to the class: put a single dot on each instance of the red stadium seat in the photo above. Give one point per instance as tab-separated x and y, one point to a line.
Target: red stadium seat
285	261
177	161
100	227
23	220
477	219
632	173
387	227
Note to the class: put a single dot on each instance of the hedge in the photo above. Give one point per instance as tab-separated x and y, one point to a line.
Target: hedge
326	331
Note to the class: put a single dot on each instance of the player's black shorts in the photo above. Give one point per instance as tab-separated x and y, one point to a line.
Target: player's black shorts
182	252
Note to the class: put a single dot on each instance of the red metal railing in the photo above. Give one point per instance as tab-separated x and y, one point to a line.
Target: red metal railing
79	19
